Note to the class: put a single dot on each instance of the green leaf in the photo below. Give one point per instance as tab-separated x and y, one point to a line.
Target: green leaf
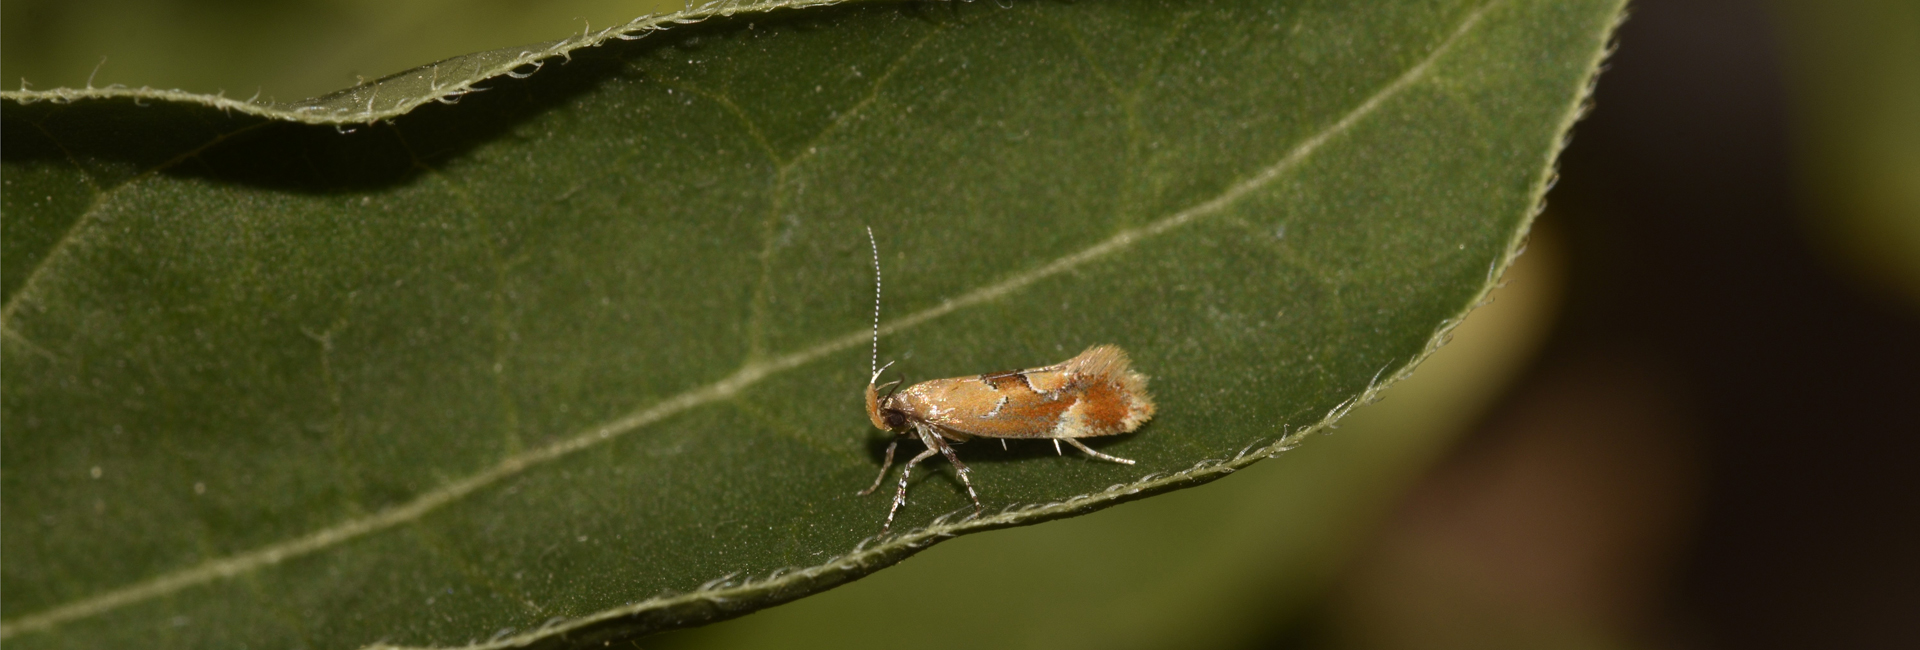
579	357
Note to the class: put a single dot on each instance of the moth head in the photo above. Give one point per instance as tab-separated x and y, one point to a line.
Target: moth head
883	418
880	408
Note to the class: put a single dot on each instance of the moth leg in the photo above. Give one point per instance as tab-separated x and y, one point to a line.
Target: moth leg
1056	447
934	441
900	498
883	469
1091	452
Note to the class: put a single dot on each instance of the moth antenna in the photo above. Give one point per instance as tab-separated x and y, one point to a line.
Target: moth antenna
873	363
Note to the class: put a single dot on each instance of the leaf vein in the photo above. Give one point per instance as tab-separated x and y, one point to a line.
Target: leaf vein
873	94
86	218
753	128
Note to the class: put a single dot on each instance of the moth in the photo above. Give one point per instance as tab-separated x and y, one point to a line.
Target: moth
1095	393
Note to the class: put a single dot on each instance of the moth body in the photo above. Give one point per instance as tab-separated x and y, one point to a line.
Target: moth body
1096	393
1093	394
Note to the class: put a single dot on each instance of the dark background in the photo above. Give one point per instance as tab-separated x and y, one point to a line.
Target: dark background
1717	448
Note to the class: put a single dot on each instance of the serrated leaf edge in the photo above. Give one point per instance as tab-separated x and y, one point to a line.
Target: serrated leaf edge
362	104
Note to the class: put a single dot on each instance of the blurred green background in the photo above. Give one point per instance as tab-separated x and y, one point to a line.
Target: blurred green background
1687	422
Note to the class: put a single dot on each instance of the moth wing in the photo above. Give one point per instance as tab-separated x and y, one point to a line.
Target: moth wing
1100	361
993	406
1096	393
1113	398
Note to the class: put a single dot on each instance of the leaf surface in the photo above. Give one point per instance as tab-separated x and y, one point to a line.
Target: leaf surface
580	357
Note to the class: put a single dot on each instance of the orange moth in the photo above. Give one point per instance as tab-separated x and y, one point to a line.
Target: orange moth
1095	393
